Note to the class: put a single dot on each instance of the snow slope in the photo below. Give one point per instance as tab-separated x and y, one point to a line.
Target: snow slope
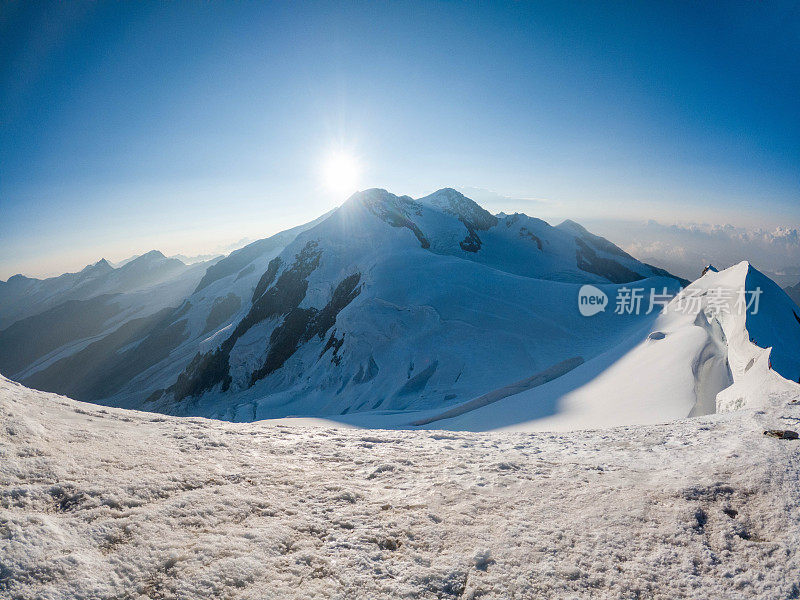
104	503
694	358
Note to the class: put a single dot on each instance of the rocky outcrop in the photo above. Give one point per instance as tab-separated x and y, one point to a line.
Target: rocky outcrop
222	310
276	297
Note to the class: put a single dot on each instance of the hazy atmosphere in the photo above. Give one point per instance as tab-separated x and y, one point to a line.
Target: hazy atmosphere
126	127
376	300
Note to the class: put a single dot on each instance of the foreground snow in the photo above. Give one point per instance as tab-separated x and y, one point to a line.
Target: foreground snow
106	503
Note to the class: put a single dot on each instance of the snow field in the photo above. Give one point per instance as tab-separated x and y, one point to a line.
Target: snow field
107	503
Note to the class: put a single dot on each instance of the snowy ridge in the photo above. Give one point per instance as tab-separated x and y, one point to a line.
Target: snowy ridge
694	358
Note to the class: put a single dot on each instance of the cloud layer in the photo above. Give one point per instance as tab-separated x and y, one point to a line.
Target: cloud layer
685	249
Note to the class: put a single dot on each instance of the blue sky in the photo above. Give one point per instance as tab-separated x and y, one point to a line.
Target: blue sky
186	126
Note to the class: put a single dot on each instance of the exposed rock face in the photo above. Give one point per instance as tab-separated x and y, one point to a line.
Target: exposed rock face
471	243
213	368
589	261
302	324
278	299
222	310
267	278
366	374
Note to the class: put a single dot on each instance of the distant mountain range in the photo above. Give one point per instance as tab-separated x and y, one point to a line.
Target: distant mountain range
187	260
22	296
386	306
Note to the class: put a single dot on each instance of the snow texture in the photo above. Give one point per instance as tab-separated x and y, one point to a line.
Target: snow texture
106	503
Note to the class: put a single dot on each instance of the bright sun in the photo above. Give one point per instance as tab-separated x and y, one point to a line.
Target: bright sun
340	173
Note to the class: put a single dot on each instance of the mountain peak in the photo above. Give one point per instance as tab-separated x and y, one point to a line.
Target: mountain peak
372	198
100	265
148	257
457	204
447	192
148	260
572	226
447	198
369	194
18	277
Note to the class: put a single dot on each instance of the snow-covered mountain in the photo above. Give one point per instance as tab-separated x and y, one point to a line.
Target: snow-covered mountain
394	304
93	347
437	284
406	325
396	312
53	318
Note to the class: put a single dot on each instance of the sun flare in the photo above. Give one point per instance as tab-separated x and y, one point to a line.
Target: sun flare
340	173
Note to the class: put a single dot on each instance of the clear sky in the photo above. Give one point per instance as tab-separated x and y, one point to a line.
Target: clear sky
184	126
